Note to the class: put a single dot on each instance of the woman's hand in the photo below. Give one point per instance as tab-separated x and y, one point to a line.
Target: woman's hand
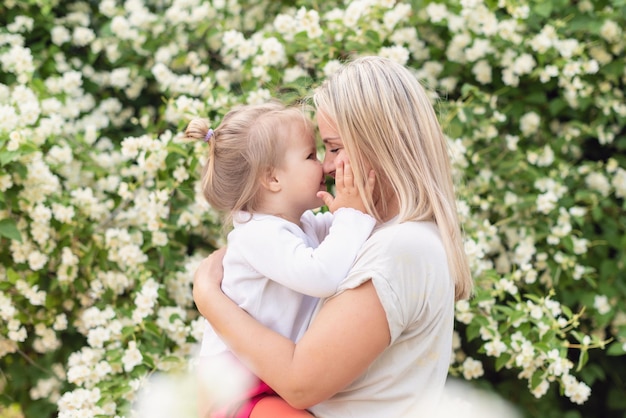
207	279
347	192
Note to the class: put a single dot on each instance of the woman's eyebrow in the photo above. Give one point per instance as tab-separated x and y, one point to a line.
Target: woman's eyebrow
329	139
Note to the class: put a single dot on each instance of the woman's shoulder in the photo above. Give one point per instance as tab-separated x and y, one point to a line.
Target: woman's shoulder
410	232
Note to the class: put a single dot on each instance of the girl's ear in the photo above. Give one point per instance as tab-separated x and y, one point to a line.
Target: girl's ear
270	182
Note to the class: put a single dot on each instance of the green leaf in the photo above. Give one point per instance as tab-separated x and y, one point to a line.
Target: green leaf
8	229
7	157
543	8
616	349
175	148
473	331
555	106
502	360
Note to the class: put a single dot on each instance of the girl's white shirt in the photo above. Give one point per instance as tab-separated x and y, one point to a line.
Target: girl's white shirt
276	270
409	270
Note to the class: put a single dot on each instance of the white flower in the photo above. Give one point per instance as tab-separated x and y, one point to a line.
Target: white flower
535	311
18	60
619	183
524	251
17	332
273	51
293	73
122	28
580	245
558	366
60	35
331	67
507	286
60	155
286	25
482	72
472	369
98	336
62	213
578	392
436	12
60	322
495	348
398	13
601	303
80	403
308	20
544	40
599	182
611	31
120	77
529	123
116	281
132	357
47	340
510	77
456	48
258	96
546	158
37	260
82	36
548	72
567	47
396	53
524	64
541	389
107	7
159	238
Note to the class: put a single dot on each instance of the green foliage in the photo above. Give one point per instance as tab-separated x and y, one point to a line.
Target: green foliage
102	221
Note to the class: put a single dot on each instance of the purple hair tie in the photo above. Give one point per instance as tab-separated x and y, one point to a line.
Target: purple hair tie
208	135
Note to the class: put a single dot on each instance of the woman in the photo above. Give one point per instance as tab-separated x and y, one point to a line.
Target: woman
381	345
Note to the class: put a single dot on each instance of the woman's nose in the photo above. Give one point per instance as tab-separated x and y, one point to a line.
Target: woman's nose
328	165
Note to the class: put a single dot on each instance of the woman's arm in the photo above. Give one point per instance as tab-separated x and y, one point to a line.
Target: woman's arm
346	336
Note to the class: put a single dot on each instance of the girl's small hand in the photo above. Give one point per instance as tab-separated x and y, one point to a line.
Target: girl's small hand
207	279
347	193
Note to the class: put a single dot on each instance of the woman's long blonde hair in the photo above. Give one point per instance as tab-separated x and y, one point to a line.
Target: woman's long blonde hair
248	143
386	122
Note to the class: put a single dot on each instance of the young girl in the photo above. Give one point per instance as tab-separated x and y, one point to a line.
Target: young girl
263	172
381	346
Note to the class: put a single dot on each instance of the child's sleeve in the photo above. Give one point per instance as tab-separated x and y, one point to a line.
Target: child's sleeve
283	256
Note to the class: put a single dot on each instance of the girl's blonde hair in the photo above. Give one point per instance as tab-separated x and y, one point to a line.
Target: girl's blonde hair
249	142
386	122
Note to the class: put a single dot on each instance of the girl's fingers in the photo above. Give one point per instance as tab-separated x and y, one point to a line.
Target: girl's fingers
339	175
348	177
326	197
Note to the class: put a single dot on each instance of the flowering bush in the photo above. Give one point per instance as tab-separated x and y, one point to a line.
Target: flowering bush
102	222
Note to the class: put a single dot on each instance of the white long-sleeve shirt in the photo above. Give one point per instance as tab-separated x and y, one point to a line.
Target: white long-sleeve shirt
277	271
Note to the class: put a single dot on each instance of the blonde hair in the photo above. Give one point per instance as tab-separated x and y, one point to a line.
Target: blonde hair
386	122
245	146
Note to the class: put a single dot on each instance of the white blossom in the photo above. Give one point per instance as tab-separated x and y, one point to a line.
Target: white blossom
132	357
601	303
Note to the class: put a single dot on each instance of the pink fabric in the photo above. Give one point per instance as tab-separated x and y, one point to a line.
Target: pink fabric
243	408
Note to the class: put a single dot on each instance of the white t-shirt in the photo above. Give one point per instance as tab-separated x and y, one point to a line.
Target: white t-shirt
276	271
408	266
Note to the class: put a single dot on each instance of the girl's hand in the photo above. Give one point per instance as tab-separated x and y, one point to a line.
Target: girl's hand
207	279
347	193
